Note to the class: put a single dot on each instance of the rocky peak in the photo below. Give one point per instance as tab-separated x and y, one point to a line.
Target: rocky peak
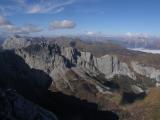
57	60
16	42
49	56
72	54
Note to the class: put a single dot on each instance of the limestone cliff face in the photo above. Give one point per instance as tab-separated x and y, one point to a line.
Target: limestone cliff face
57	61
63	62
147	71
43	57
51	58
54	59
108	65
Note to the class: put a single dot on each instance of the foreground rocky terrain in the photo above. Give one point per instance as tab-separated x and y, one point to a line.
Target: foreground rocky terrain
15	107
106	74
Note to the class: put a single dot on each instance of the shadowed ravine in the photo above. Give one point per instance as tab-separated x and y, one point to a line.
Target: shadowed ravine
69	107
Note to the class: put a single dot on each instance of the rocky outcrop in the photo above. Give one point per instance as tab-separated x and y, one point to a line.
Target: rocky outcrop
16	42
136	89
15	107
56	61
51	57
147	71
108	65
72	71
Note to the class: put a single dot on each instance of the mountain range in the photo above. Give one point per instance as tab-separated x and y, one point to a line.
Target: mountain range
98	77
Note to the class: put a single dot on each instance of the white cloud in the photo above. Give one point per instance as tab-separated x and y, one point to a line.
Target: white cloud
64	24
33	7
89	33
28	29
8	27
39	9
129	34
4	22
11	29
59	10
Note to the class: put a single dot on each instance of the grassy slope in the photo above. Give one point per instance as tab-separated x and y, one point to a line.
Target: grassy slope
148	108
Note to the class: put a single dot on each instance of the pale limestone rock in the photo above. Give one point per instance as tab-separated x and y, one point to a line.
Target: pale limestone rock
108	65
51	58
147	71
137	89
15	42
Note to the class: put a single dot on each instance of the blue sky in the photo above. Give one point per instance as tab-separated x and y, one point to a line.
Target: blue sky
62	17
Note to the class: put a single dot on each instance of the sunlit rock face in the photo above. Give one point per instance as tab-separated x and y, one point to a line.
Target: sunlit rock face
57	61
108	65
15	42
49	57
147	71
